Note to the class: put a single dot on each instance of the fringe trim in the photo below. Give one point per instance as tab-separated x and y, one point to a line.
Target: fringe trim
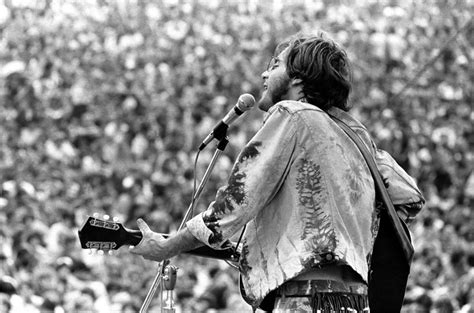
338	302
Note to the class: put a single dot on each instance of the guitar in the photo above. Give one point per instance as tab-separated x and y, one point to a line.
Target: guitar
107	235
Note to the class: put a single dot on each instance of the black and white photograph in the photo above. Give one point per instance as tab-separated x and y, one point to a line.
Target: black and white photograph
175	156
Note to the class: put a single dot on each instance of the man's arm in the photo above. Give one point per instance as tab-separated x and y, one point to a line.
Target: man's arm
260	170
154	246
256	176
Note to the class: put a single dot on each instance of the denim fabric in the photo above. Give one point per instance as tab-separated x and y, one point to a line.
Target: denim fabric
306	195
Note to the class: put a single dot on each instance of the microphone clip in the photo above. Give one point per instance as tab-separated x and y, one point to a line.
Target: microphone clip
219	132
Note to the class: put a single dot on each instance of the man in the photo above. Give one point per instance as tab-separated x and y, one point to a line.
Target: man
301	190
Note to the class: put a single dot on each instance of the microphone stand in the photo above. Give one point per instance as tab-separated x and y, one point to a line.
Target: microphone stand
165	266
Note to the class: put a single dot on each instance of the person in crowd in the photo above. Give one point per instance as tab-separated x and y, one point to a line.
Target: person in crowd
300	190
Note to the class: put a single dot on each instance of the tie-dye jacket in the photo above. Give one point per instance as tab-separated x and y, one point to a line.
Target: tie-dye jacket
306	195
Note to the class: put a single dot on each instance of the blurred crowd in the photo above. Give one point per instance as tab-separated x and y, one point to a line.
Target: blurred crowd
103	104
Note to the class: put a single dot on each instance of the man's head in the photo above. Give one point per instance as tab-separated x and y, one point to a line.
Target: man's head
313	68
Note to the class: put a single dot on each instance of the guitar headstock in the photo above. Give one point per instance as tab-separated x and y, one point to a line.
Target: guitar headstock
105	234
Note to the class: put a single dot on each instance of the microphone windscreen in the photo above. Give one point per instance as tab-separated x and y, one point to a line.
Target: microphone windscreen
245	102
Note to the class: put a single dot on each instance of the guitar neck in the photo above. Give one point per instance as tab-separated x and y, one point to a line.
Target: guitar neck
134	237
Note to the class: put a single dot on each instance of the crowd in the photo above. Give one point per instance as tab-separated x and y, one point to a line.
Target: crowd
103	104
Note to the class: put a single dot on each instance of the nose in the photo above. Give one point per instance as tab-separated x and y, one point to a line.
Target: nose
265	75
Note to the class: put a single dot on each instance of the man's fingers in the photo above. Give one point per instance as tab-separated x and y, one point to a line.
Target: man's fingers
143	226
149	247
144	230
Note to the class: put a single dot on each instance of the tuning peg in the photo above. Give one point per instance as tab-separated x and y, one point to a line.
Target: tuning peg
106	217
100	252
110	252
115	219
95	215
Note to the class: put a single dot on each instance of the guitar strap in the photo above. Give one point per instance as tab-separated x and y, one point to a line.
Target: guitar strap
393	251
381	190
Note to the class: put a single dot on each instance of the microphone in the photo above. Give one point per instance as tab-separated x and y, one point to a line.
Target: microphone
245	103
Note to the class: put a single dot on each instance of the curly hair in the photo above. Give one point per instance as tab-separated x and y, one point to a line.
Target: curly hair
323	68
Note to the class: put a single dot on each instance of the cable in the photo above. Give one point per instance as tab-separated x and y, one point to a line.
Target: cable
193	200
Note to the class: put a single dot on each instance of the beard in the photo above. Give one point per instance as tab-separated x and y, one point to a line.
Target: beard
274	94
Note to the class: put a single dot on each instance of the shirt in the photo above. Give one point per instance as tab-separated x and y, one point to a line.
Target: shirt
306	196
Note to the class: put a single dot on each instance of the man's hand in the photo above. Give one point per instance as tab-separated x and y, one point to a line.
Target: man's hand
153	246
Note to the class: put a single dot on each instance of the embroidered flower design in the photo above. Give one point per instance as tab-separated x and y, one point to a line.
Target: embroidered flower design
318	233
